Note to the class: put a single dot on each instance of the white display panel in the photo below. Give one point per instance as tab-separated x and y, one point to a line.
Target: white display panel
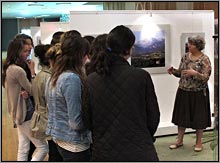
182	21
36	37
49	28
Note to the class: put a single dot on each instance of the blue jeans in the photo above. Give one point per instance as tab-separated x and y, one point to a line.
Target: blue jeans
74	156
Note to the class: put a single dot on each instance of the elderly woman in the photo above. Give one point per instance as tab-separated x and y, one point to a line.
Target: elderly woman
192	104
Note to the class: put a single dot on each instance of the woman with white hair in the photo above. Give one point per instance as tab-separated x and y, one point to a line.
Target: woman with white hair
192	104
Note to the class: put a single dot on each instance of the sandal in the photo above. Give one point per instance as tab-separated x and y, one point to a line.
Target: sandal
198	149
175	146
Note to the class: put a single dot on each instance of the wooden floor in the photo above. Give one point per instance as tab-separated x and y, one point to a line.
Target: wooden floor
10	143
9	134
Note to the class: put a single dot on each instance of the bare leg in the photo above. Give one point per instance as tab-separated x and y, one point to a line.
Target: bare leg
179	142
199	134
181	131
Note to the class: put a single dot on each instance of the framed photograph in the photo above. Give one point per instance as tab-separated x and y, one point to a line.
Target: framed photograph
38	40
151	50
184	41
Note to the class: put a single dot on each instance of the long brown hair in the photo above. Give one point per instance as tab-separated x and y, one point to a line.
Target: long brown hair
13	56
70	58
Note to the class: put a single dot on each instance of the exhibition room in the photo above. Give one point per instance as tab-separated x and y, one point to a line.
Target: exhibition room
162	32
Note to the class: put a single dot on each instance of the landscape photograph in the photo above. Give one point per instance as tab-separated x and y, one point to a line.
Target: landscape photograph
149	48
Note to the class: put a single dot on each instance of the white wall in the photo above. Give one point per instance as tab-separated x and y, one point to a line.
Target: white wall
43	34
49	28
36	35
180	22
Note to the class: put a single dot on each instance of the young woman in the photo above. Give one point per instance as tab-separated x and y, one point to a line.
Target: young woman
65	98
122	112
15	80
46	55
30	75
97	45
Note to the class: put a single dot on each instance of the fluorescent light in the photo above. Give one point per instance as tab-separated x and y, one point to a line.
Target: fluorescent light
35	4
39	16
45	15
63	3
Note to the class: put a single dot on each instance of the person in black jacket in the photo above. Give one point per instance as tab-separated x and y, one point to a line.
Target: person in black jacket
121	107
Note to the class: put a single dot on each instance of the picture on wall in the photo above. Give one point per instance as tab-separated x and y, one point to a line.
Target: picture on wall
184	41
151	48
38	40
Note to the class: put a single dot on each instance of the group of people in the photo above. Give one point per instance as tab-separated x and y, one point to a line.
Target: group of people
89	104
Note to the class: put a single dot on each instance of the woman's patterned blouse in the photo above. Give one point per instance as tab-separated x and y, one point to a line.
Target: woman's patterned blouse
198	82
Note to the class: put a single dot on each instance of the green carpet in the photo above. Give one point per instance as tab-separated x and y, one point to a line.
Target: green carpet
186	152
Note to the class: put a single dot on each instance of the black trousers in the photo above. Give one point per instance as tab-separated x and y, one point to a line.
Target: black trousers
54	154
31	151
74	156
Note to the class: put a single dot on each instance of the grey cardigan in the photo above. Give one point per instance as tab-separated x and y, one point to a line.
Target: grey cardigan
16	80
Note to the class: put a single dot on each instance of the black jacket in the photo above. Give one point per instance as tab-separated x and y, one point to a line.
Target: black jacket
122	112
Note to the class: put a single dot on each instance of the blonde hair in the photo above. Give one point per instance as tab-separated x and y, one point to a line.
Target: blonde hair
52	52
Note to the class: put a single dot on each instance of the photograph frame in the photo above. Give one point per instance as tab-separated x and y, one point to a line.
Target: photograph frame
167	55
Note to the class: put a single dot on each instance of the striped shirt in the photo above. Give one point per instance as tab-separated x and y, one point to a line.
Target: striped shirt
72	147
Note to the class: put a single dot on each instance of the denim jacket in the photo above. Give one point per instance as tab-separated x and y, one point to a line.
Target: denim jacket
64	110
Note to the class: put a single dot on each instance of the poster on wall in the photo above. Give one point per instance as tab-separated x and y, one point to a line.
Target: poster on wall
184	41
38	38
151	48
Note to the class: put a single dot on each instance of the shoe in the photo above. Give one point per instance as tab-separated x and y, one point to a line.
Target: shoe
197	149
175	146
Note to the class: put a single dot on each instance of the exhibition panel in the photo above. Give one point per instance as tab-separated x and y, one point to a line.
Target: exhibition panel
176	25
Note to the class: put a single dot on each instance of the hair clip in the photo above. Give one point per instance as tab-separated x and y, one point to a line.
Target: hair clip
109	49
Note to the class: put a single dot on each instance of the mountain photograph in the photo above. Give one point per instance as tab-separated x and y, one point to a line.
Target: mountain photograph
149	51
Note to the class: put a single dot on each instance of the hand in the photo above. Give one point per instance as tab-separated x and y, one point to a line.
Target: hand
189	72
86	60
170	70
24	94
31	65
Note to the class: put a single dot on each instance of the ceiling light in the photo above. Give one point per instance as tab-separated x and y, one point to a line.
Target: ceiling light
64	3
35	4
45	15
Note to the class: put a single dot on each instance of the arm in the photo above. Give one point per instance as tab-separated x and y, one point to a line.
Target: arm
42	90
204	73
174	71
24	94
72	94
31	65
87	112
21	77
153	113
177	72
206	70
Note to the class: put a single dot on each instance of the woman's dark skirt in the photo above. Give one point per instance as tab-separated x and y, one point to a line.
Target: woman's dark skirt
192	109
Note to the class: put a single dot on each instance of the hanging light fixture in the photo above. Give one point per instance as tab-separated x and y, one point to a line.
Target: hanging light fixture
139	4
151	9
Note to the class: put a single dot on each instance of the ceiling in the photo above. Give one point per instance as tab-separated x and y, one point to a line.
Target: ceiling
42	9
